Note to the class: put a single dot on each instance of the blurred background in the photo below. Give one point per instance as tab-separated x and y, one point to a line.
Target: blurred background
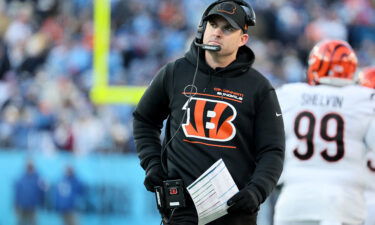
65	159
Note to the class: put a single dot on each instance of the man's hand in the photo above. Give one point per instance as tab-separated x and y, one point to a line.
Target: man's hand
244	201
154	177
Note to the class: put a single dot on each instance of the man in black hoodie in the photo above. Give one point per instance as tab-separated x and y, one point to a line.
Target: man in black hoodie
216	106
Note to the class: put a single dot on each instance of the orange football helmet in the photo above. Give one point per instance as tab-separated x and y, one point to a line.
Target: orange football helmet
332	62
367	77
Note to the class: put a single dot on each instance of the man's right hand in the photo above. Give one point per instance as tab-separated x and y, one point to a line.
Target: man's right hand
154	177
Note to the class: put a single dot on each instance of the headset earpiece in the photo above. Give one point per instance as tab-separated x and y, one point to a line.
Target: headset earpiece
200	31
202	23
250	14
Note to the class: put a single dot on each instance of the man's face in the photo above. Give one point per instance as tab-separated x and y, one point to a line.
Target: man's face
219	32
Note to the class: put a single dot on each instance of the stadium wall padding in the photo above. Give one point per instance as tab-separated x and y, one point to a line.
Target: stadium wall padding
114	191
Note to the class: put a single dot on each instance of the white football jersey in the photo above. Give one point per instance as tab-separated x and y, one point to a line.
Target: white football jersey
327	135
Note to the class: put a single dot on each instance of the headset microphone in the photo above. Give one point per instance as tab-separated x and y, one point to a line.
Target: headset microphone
214	48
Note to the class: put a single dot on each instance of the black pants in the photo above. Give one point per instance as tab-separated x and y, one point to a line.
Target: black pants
188	216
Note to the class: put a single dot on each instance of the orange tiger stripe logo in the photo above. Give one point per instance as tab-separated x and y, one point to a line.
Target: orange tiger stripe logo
209	120
331	58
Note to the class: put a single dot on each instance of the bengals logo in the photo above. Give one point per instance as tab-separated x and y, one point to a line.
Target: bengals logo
209	119
331	58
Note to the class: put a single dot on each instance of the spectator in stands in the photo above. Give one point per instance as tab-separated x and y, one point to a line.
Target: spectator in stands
66	195
29	195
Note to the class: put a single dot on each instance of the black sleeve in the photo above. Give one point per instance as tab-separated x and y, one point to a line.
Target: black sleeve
151	111
269	145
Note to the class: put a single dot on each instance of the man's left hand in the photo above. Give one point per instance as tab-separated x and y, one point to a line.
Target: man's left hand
244	201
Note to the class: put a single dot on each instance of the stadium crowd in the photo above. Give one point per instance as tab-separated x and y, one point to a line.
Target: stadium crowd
46	66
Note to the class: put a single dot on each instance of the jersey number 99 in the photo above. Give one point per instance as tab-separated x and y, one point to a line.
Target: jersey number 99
308	137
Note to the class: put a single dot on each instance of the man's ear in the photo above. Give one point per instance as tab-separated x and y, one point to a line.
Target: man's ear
244	40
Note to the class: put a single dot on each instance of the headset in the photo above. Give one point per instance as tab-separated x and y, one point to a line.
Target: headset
250	21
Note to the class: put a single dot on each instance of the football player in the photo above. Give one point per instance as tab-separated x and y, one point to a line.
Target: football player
328	131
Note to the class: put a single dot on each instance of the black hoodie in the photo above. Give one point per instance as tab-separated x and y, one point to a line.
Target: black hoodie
230	113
